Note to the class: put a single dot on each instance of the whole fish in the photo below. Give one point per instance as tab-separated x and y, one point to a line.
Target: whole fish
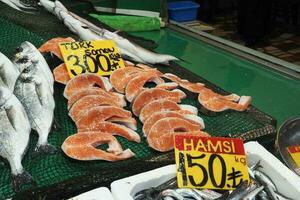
8	72
28	52
133	51
34	93
14	135
251	195
185	192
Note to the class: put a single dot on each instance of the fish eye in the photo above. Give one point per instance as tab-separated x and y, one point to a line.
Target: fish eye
26	70
19	49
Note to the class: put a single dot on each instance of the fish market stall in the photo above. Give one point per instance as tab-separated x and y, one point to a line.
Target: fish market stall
247	99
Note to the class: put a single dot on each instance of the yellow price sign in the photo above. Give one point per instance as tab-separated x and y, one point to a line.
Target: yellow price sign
101	57
210	162
295	153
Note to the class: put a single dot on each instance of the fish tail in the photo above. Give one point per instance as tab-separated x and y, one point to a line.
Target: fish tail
21	179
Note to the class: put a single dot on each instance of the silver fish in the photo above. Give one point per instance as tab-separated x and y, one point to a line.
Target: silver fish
208	194
262	178
34	93
185	192
251	195
8	72
172	193
126	47
14	135
27	52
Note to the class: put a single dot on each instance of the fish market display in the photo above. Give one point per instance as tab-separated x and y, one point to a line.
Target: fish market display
34	92
82	146
8	73
87	31
14	135
209	99
261	187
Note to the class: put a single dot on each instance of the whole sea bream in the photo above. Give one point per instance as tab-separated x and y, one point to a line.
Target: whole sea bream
34	92
8	72
26	52
14	135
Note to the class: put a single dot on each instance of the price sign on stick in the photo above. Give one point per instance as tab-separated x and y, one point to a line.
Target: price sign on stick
210	162
101	57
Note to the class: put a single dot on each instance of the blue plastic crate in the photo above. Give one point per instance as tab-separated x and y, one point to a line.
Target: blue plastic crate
181	11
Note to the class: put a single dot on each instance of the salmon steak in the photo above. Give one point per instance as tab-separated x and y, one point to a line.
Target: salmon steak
116	97
82	146
160	136
192	87
101	113
113	129
136	85
52	46
87	102
183	114
152	94
61	74
129	122
120	77
84	81
161	105
213	102
167	86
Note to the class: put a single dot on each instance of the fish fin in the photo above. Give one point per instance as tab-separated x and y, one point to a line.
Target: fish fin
41	93
45	149
20	179
9	110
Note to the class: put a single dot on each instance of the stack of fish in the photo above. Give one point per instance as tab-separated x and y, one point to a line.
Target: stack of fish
98	114
26	98
156	107
261	187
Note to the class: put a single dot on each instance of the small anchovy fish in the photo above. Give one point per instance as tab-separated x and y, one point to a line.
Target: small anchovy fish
262	178
34	93
8	73
208	194
185	192
14	136
172	193
251	195
242	190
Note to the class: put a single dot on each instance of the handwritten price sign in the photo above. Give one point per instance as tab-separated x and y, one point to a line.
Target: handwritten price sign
101	57
210	162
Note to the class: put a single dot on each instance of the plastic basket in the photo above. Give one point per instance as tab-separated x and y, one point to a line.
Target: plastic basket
183	10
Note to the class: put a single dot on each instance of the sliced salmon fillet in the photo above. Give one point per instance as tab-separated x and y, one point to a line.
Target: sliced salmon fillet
53	46
114	129
183	114
167	86
216	104
160	136
116	97
82	146
101	113
61	74
199	88
120	77
152	94
84	81
87	102
128	63
129	122
136	85
192	87
161	105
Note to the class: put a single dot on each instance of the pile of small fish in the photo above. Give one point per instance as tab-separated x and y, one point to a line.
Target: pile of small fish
98	114
26	99
261	187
